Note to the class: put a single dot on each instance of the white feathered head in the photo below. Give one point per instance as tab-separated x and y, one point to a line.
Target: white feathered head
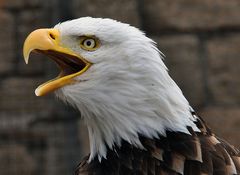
115	76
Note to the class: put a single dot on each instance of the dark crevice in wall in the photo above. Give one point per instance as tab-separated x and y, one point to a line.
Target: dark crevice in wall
203	59
65	10
16	44
140	5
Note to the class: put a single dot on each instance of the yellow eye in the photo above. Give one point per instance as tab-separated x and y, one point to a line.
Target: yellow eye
89	43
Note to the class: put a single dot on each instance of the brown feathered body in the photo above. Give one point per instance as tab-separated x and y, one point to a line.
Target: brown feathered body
201	153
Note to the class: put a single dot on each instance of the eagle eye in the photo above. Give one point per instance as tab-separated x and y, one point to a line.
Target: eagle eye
89	43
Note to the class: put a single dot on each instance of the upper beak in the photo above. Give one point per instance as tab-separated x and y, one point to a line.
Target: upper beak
43	39
47	41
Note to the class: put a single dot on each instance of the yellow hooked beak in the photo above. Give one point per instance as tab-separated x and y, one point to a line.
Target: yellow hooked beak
47	41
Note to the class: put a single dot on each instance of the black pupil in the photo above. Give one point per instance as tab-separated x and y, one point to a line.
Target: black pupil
89	43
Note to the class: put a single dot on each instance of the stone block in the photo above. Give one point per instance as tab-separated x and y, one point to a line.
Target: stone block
15	160
12	121
184	66
17	96
223	69
124	10
7	49
64	149
190	15
224	122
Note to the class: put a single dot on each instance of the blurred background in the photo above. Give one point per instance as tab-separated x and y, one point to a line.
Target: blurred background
201	41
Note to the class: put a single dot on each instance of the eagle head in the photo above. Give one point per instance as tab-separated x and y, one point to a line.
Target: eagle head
115	76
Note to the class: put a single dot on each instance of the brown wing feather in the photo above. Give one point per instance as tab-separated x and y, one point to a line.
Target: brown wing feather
200	153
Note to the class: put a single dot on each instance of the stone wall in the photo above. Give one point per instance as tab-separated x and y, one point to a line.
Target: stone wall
200	40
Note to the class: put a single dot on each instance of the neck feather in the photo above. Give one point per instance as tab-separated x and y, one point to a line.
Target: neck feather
110	121
119	107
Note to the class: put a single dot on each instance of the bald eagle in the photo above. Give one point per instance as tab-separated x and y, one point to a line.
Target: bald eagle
138	120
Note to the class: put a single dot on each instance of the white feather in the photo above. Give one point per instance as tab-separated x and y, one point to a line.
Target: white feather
127	91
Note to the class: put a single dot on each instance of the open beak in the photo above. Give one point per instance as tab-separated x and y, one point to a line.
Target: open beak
47	42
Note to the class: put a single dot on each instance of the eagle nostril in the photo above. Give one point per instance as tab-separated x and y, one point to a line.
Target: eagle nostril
52	36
